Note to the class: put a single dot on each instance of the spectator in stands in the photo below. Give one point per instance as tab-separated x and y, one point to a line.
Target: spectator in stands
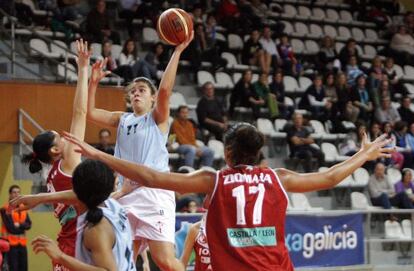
347	110
288	60
105	142
203	48
393	78
243	94
400	132
374	131
353	70
197	14
409	21
271	55
361	98
314	99
405	111
375	73
131	9
185	135
347	51
397	157
402	46
410	137
301	143
125	71
14	227
406	184
211	32
72	10
249	18
158	57
210	112
23	12
327	58
386	112
140	67
330	88
99	25
253	54
382	192
383	91
277	87
261	87
228	15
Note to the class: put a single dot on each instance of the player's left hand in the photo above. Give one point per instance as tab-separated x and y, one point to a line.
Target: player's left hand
84	53
44	244
377	148
83	148
181	47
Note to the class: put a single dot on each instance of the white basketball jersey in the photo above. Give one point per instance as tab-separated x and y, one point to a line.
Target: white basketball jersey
122	249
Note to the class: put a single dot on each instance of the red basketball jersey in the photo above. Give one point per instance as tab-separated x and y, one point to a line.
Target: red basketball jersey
246	221
202	253
57	181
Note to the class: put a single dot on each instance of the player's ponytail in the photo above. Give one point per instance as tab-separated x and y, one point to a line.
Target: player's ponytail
94	215
93	182
244	142
41	145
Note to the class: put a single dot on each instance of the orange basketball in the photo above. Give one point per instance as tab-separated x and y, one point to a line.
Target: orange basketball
174	26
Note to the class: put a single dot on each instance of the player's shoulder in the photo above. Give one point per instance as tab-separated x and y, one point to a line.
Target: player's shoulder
99	234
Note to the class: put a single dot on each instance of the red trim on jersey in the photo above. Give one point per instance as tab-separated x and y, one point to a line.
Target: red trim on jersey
246	221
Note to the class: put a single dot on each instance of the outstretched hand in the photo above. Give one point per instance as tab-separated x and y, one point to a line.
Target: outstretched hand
98	72
83	52
377	148
23	203
181	47
81	147
44	244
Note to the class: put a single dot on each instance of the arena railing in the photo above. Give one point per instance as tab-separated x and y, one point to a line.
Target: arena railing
11	34
25	136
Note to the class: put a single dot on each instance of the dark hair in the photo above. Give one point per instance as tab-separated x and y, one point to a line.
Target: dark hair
14	186
404	172
349	41
93	182
400	125
125	50
204	86
103	131
41	145
244	142
180	108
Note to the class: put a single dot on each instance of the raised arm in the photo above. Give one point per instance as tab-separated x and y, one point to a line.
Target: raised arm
162	105
200	181
100	116
297	182
31	201
78	124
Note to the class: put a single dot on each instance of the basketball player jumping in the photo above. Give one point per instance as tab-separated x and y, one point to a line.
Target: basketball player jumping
50	148
246	218
141	138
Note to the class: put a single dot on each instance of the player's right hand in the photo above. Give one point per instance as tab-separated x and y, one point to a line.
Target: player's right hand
44	244
26	202
98	72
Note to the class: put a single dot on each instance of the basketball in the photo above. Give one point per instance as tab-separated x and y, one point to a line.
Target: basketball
174	26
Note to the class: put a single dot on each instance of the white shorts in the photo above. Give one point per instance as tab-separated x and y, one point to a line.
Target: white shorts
151	215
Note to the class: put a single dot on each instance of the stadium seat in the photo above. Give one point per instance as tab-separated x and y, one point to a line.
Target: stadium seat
304	12
358	34
406	227
116	50
232	62
39	48
371	35
176	100
399	71
301	203
304	83
255	77
289	11
96	50
347	182
360	202
330	31
331	16
291	85
312	47
288	27
280	124
265	126
301	31
394	175
221	37
361	177
318	14
369	52
234	42
331	153
393	230
204	77
339	46
149	35
315	31
408	73
297	46
223	80
36	12
345	16
60	48
236	77
344	33
71	71
217	147
320	132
